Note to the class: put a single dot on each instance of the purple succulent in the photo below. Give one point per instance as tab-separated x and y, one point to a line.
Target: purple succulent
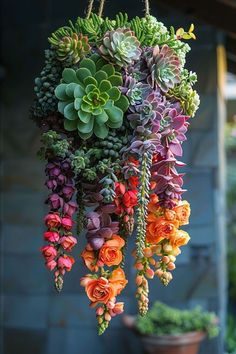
70	208
55	201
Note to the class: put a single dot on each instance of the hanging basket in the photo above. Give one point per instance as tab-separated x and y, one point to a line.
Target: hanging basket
114	103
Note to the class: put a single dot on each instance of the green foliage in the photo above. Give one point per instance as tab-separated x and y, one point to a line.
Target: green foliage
89	98
231	335
162	319
55	144
120	47
183	92
69	46
230	136
45	85
143	200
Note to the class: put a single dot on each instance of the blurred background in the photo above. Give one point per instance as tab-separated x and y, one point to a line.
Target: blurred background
34	318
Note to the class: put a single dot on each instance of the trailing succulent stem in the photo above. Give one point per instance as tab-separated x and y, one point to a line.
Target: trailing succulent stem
143	200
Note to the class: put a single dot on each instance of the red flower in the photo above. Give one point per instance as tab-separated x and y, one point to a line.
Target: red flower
133	181
130	198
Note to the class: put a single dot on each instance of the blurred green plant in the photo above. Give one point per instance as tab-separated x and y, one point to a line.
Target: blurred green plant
231	335
162	319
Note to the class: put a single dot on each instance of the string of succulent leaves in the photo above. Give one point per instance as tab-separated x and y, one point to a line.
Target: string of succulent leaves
114	102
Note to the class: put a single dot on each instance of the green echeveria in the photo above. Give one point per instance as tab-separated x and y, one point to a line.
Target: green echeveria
69	45
164	66
120	47
89	98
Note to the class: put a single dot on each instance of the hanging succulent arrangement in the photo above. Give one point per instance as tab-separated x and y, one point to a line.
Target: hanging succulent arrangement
114	103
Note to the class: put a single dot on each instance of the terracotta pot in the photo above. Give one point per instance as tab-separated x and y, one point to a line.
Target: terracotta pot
187	343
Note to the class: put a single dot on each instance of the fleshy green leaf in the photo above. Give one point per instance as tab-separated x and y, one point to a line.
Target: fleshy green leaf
109	69
100	75
115	114
77	103
61	106
84	116
101	131
115	80
90	88
123	103
82	73
60	92
88	64
114	93
90	81
86	127
69	76
104	86
70	112
70	125
79	91
70	89
101	118
85	136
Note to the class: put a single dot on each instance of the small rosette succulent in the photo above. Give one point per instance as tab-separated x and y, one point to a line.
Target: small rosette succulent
89	98
69	45
120	47
164	66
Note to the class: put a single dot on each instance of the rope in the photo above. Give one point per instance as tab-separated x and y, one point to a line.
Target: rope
147	8
89	8
101	7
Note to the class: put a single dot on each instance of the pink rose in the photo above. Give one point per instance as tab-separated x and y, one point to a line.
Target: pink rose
51	236
51	264
49	252
68	242
52	220
65	262
67	223
70	208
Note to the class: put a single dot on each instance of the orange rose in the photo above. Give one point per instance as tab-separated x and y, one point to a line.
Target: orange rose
152	205
110	254
159	228
183	212
170	214
100	291
181	238
89	259
118	280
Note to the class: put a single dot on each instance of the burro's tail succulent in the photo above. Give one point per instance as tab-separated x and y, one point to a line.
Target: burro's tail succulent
120	47
164	66
69	45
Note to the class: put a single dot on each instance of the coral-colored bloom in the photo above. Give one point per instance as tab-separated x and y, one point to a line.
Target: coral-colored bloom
49	252
110	254
89	258
68	242
51	264
170	214
52	220
159	228
118	279
133	181
130	198
152	205
51	236
117	309
67	223
65	262
181	238
183	212
99	290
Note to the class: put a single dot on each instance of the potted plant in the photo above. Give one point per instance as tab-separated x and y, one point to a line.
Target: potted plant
166	330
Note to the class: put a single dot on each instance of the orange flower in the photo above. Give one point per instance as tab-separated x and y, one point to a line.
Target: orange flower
183	212
159	228
89	259
118	280
181	238
110	254
152	205
100	291
170	214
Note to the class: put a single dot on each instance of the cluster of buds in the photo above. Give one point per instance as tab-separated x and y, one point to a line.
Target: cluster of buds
142	292
106	312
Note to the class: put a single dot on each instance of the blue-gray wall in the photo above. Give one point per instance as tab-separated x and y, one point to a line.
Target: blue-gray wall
35	318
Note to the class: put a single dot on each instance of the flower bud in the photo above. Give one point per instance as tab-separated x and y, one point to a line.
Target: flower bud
171	266
165	259
149	273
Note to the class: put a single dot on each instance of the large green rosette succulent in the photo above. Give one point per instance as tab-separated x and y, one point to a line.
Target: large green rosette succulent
90	99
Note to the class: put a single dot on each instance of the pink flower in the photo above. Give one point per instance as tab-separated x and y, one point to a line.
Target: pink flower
52	220
51	236
117	309
51	264
49	252
67	223
65	262
70	208
68	242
